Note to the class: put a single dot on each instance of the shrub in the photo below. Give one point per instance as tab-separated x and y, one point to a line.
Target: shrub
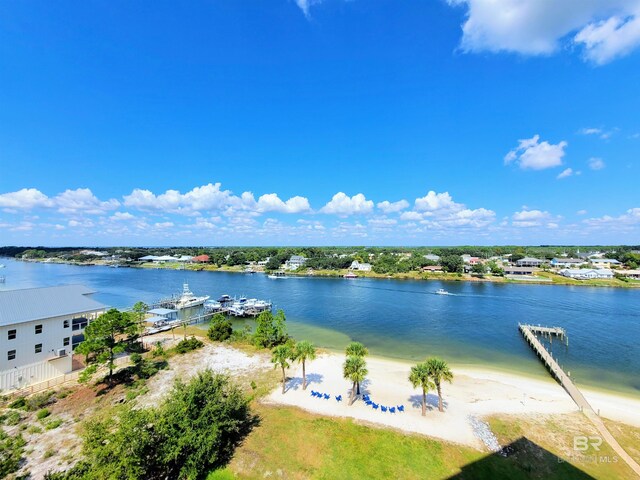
220	328
11	450
158	351
55	423
39	400
194	430
44	413
12	418
189	344
34	429
49	454
19	402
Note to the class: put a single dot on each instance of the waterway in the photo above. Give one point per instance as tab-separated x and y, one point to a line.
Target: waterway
475	326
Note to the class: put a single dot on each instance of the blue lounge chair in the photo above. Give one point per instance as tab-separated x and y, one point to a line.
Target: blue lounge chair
368	402
401	408
392	409
375	406
313	393
327	396
384	409
338	398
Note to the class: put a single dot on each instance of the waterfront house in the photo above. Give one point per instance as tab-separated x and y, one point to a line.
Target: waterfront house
604	262
39	327
201	259
567	262
586	273
432	268
519	270
361	267
295	262
468	259
529	262
432	258
629	273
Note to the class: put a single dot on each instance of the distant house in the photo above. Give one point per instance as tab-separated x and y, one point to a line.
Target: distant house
468	259
432	258
519	270
39	327
629	273
567	262
185	259
94	253
604	262
295	262
432	268
586	273
361	267
529	262
201	259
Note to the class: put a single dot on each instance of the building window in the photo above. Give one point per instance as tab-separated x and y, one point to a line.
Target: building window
65	342
38	329
66	324
11	355
12	334
38	347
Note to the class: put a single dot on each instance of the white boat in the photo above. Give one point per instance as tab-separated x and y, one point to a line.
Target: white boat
350	275
442	291
1	265
277	275
188	299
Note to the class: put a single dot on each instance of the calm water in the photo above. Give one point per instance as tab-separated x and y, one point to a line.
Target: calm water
404	319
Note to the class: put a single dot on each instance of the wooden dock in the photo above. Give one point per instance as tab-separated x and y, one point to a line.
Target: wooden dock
529	333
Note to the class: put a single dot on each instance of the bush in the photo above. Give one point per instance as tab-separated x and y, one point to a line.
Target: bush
11	450
19	402
196	429
144	368
44	413
12	418
189	344
158	351
220	328
39	400
55	423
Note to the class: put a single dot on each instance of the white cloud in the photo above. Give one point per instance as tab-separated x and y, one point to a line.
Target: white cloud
122	216
163	225
567	172
25	199
305	6
535	155
596	163
270	202
343	205
83	200
581	212
629	218
605	29
205	198
534	218
433	201
392	207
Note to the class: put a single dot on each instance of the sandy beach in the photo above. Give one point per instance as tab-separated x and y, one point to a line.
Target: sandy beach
472	395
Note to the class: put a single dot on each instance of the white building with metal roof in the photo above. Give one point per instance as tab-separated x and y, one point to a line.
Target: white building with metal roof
39	328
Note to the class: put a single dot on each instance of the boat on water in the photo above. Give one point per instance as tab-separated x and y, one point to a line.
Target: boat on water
442	291
277	275
350	275
188	299
2	265
225	299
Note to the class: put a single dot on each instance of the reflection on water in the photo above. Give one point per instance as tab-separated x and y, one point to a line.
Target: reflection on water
403	318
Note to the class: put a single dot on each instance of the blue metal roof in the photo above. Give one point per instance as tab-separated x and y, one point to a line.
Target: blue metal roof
29	304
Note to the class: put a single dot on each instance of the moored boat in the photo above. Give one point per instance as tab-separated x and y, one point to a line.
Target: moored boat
188	299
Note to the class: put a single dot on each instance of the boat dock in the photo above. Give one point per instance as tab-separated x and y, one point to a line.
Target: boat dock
529	333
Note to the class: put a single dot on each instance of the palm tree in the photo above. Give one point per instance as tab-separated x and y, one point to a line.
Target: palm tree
304	350
280	357
355	370
440	372
419	376
356	349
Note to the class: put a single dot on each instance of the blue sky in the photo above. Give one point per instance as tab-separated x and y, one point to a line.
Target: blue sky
329	122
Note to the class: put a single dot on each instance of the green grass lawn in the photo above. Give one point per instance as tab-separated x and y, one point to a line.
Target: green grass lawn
291	443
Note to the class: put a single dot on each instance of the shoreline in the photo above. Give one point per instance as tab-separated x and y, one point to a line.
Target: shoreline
474	393
548	278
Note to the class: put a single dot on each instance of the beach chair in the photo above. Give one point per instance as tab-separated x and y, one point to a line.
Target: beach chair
338	398
392	409
383	408
313	393
365	397
401	408
375	406
368	402
327	396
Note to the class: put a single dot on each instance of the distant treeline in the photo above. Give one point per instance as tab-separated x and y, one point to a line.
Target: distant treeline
383	259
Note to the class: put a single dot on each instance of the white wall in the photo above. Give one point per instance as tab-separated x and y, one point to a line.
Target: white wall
29	367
